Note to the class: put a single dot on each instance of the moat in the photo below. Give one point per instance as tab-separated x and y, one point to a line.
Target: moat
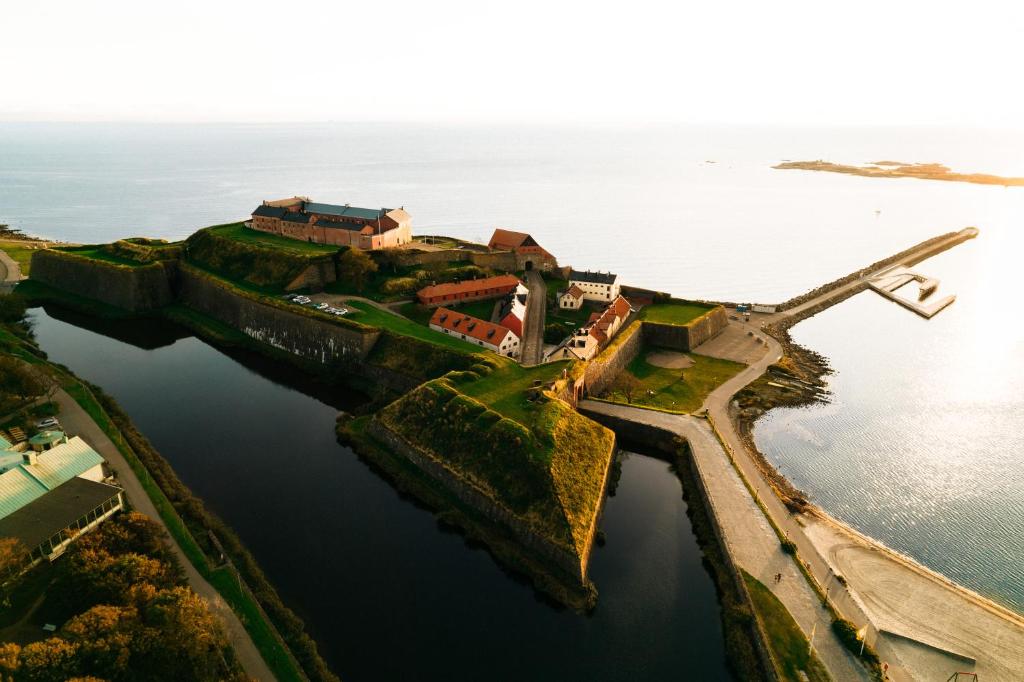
386	591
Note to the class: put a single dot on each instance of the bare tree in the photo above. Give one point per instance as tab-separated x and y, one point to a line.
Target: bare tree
627	385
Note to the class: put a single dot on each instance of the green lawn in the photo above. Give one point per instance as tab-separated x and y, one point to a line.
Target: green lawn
96	253
368	314
21	252
673	313
787	640
240	232
676	390
505	389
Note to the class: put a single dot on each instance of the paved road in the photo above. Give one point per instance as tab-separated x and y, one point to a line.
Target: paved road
533	327
10	272
78	422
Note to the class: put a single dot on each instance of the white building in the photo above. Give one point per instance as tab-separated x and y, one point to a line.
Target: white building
571	299
473	330
596	286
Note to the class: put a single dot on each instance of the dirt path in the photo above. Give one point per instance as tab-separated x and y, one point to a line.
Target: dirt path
77	421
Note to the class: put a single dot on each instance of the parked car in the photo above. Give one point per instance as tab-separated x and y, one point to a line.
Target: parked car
48	423
290	297
337	311
322	306
302	300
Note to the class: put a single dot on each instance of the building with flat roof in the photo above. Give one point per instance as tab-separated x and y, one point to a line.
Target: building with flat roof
494	337
48	524
310	221
468	290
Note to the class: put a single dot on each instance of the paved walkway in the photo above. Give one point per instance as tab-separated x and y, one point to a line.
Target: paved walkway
10	272
750	539
533	327
77	421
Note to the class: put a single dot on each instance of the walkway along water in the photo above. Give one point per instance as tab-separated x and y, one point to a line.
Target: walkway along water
923	625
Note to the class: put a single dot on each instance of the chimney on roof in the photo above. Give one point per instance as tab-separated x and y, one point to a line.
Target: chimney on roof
29	457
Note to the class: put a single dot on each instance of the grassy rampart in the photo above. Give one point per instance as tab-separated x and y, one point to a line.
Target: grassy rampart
262	261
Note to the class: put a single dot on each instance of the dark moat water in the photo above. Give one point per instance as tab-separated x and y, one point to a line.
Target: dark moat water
388	593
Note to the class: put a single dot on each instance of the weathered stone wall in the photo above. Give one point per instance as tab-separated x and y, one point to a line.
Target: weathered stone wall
688	337
137	289
315	277
606	365
481	502
499	260
296	333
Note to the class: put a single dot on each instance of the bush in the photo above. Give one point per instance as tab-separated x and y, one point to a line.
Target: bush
847	634
399	285
788	546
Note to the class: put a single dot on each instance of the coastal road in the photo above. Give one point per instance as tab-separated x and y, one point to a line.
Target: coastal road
536	312
749	538
921	623
10	272
77	421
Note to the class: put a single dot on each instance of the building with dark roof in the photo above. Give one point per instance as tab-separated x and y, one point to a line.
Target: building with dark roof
596	286
361	228
47	525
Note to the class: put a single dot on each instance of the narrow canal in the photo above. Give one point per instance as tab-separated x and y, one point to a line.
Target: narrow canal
387	592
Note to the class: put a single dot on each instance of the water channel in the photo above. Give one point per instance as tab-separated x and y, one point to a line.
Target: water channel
386	591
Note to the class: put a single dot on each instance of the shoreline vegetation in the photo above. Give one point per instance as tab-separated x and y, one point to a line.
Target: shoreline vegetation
899	169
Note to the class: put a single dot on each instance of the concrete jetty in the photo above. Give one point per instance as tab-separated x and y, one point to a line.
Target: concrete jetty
889	280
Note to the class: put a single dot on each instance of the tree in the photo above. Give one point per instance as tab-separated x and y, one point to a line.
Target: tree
626	384
17	379
13	558
355	267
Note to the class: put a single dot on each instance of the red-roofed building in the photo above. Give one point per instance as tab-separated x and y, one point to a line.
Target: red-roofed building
529	254
470	290
571	299
473	330
588	340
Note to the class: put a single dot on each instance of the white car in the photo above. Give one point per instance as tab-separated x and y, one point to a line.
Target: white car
322	306
302	300
48	423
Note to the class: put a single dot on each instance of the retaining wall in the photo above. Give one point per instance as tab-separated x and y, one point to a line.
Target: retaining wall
137	289
574	566
299	334
688	337
599	372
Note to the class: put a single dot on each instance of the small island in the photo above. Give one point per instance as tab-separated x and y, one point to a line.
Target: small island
899	169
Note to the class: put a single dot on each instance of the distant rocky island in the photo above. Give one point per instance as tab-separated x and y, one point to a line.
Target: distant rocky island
899	169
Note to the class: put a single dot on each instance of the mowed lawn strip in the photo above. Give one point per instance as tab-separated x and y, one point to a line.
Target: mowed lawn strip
372	316
787	640
20	252
673	313
240	232
505	389
677	390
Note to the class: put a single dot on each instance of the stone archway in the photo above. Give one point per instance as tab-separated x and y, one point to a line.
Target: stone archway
529	265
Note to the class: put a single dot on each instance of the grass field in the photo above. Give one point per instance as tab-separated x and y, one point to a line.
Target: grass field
676	390
96	253
21	252
240	232
505	389
673	313
370	315
785	637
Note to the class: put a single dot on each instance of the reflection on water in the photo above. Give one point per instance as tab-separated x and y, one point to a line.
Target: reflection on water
386	592
922	446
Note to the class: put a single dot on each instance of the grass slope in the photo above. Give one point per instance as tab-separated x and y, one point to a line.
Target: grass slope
673	313
786	639
372	316
240	233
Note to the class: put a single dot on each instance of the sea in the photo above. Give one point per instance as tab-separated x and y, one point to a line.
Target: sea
921	445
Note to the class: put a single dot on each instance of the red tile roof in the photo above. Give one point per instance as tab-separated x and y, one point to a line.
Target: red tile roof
469	287
469	325
574	291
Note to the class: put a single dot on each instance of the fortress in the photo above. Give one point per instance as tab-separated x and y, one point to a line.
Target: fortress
362	228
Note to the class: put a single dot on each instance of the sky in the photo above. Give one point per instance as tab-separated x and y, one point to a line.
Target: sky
722	62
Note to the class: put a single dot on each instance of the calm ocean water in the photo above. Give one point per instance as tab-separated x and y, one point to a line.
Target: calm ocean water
921	447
